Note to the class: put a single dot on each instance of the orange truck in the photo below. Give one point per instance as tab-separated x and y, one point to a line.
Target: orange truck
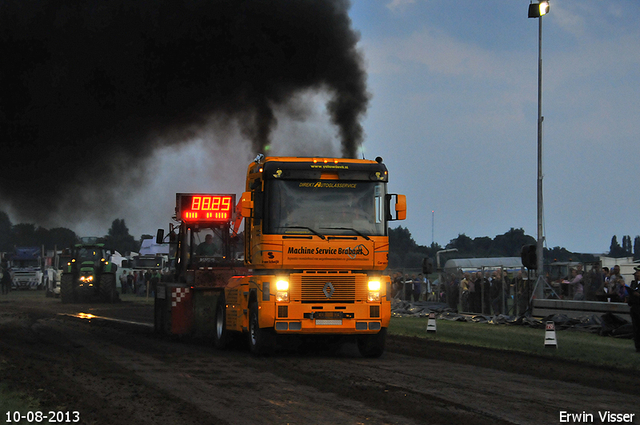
315	248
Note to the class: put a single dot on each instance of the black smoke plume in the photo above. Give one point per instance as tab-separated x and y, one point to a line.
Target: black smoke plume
85	84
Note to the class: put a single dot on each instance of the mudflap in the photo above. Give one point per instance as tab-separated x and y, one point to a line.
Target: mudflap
173	309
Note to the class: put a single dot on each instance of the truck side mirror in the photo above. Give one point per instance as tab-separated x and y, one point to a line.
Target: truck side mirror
246	205
160	236
400	207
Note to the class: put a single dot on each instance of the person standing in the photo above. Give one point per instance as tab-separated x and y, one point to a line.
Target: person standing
138	280
634	303
123	282
147	282
426	288
475	293
155	279
417	288
522	293
577	284
408	287
486	297
130	282
497	289
615	282
6	278
465	285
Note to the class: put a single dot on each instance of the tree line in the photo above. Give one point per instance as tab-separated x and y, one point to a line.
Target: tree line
28	234
404	252
626	249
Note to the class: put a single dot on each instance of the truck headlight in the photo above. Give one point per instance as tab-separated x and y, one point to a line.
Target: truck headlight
374	285
282	285
282	291
374	291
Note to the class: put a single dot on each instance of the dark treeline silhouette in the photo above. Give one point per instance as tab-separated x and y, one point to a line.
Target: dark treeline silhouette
626	249
28	234
404	252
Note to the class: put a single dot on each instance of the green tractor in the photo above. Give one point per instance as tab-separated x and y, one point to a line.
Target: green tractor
89	275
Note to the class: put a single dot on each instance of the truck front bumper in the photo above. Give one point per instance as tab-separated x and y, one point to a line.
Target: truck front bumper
330	318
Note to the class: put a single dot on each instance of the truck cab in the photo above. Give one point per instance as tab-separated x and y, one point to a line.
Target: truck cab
316	240
26	268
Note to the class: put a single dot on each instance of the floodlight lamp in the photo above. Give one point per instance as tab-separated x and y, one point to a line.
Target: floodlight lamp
536	10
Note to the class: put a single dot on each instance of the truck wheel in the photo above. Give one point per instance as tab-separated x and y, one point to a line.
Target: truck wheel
108	291
261	340
67	293
221	336
372	346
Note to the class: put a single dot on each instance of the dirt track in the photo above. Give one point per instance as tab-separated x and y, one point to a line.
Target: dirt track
124	374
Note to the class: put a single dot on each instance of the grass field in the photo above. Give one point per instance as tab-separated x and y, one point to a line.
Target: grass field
573	345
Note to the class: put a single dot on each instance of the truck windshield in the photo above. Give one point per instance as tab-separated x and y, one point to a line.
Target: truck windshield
24	264
325	207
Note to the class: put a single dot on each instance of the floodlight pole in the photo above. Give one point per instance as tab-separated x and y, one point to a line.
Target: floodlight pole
538	10
540	241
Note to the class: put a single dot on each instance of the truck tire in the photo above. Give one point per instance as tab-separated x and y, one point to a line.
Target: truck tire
261	340
372	346
67	292
221	336
108	292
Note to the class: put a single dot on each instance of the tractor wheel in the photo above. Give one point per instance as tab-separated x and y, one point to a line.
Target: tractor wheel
108	292
372	346
221	336
262	341
67	291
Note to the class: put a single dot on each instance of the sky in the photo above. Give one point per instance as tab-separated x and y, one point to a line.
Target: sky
453	113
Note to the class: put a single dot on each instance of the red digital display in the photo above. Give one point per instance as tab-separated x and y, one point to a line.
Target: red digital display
205	207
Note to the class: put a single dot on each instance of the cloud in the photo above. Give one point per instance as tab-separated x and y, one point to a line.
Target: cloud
399	5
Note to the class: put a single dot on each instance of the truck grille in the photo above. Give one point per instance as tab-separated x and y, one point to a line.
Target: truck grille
328	287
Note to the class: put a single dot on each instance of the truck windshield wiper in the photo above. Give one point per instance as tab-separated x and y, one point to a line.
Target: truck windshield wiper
347	228
307	228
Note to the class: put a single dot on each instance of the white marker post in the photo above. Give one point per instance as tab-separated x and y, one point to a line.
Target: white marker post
431	324
550	335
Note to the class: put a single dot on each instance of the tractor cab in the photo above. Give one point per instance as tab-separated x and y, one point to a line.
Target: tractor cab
204	239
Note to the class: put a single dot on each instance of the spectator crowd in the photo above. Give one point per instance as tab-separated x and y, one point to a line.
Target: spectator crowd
493	292
139	282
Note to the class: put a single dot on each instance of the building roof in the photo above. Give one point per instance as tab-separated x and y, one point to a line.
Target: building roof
478	263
